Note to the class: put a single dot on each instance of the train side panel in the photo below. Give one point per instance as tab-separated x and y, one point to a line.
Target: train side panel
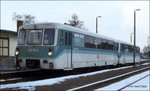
126	54
91	57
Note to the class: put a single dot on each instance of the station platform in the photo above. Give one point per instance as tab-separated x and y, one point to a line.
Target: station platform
7	64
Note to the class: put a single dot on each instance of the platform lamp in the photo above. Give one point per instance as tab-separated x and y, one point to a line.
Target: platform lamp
131	37
135	34
97	23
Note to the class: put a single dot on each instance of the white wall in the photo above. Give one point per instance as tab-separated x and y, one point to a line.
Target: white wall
12	42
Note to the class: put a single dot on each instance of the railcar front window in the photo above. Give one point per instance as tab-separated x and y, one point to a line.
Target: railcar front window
49	36
22	37
35	37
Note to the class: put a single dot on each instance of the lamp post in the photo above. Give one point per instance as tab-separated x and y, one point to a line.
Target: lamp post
131	37
135	34
97	23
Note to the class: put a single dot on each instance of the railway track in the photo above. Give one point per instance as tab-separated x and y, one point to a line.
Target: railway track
87	87
29	76
37	74
102	83
33	75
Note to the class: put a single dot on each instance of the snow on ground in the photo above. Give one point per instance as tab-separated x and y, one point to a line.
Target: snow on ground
32	84
141	85
2	80
146	64
118	85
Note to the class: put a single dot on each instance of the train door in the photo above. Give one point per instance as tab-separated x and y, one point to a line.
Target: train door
68	44
126	55
122	54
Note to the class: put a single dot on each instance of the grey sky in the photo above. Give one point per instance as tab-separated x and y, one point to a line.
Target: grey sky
116	21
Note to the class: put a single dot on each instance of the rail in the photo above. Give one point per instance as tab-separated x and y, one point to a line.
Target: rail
106	80
132	83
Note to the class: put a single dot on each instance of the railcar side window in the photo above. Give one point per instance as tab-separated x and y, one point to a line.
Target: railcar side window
89	42
22	37
122	47
126	48
62	37
49	36
104	44
66	38
70	38
78	40
110	45
137	50
34	37
117	46
129	48
98	43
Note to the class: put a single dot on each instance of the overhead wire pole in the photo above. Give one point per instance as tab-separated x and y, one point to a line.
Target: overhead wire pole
131	37
135	34
97	23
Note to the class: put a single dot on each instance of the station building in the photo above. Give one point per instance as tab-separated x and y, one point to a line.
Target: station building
8	43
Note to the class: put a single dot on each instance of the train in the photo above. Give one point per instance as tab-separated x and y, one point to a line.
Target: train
55	46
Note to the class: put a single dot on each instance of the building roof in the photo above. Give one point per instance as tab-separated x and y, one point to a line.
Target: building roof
8	31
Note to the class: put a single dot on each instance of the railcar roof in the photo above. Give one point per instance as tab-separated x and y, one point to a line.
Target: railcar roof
67	27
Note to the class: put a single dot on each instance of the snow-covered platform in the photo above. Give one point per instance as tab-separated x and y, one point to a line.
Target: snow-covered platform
141	85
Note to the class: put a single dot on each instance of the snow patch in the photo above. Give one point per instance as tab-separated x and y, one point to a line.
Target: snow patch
146	64
30	85
118	85
142	85
2	80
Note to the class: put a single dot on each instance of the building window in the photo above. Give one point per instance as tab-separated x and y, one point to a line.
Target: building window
4	47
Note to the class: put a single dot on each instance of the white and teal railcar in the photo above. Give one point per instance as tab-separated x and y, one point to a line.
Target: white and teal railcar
58	46
126	54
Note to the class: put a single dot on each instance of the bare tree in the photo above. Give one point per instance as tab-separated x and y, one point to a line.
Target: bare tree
75	21
26	18
146	52
17	17
146	48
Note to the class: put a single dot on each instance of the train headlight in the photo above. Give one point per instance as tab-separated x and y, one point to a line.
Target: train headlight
17	53
50	53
